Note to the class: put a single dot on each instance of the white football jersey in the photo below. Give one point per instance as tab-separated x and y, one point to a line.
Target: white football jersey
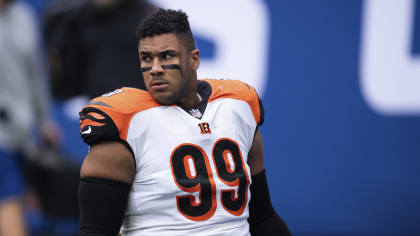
192	176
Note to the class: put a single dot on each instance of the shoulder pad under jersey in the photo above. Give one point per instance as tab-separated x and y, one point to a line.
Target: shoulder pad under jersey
236	89
108	117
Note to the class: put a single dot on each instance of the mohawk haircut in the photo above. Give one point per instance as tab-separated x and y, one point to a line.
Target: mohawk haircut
166	22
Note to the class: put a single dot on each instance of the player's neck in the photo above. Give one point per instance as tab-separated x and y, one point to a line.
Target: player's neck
190	101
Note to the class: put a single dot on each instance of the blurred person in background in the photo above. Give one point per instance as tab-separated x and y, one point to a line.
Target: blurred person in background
90	45
23	105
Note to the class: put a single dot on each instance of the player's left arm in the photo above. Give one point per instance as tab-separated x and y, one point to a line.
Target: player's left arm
263	219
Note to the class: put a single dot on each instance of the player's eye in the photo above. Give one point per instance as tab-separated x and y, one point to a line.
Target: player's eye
146	58
167	56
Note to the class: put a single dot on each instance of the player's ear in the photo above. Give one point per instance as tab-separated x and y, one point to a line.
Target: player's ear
195	59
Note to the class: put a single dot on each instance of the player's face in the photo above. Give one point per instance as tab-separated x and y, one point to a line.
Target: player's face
168	68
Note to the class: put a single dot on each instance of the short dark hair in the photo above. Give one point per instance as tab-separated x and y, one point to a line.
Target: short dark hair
165	22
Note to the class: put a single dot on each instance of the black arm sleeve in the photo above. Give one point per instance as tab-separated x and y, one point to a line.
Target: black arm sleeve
262	112
263	220
102	205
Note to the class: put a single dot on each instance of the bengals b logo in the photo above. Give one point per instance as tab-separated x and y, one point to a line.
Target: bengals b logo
205	128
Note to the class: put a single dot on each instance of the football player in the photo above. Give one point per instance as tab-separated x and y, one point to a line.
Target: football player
183	158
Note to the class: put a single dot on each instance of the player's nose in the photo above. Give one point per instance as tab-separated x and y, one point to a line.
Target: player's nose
156	67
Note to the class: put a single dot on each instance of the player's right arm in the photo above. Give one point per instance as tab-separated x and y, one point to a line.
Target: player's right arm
106	174
105	179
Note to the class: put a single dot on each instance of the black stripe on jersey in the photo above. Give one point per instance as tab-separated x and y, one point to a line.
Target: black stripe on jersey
106	132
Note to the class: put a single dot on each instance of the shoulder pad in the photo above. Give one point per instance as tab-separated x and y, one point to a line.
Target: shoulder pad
108	117
236	89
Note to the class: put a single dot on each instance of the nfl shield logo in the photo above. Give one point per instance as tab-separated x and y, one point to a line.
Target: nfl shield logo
196	113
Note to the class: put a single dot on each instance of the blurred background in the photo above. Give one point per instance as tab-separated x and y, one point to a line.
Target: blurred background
340	81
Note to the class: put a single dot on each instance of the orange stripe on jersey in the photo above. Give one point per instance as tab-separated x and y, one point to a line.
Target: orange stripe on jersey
95	115
235	89
122	106
90	122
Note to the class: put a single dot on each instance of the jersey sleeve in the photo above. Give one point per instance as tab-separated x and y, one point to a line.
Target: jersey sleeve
97	125
238	90
107	118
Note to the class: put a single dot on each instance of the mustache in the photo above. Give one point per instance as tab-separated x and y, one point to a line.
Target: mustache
166	67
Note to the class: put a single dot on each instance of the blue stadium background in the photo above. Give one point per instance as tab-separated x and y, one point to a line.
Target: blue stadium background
335	166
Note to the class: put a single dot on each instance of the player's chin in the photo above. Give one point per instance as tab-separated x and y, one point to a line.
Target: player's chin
164	98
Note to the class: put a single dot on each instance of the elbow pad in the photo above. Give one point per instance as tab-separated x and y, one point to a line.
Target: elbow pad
102	205
263	219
